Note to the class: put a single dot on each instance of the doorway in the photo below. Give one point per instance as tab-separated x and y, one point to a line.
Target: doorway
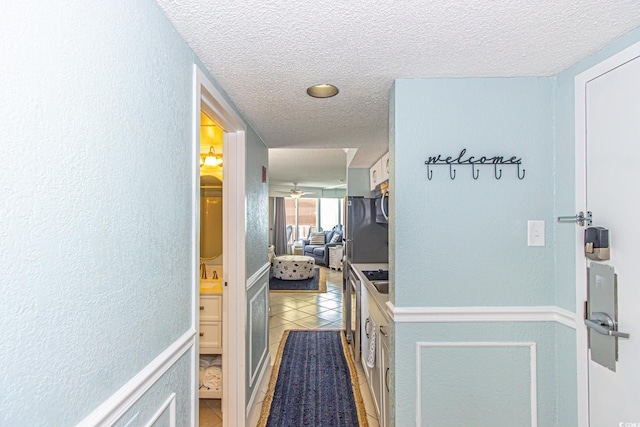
209	103
607	105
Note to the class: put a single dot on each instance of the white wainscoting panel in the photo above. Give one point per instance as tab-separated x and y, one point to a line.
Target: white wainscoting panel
255	277
422	349
481	314
123	399
169	405
258	306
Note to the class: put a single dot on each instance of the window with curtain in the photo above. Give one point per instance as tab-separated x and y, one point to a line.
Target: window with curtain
307	214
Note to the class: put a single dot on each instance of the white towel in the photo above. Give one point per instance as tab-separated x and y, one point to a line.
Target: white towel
371	356
212	378
206	361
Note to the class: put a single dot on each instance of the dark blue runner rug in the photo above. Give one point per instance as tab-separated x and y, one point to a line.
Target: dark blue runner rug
313	383
316	284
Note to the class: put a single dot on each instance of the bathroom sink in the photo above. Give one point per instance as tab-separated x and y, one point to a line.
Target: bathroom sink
210	284
381	285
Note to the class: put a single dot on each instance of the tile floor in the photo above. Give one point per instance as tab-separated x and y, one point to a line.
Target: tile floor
297	311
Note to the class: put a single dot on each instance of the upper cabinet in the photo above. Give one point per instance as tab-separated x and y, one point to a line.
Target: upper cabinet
375	174
379	172
385	168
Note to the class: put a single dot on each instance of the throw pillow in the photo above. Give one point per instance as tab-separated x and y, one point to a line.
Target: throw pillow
317	238
336	238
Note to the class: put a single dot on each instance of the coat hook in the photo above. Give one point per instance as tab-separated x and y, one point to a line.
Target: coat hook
495	171
429	173
523	171
475	173
452	172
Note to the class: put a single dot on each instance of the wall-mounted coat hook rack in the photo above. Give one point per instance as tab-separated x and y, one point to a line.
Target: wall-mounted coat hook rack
464	160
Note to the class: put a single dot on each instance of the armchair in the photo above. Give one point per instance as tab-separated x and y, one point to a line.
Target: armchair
320	253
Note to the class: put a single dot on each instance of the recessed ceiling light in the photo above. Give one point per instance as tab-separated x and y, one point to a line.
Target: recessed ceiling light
322	91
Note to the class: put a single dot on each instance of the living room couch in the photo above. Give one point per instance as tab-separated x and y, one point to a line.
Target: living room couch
320	253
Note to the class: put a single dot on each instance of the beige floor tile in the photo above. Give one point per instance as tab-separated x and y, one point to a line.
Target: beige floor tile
312	322
313	309
331	315
277	321
208	418
332	304
334	325
293	315
294	303
279	308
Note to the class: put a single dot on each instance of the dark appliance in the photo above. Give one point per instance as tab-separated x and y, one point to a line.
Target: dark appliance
365	241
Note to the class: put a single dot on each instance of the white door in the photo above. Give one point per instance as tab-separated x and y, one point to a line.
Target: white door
612	193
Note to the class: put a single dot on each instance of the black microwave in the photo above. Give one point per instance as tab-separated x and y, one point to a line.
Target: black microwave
382	208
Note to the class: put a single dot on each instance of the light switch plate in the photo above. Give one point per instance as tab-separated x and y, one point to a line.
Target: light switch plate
535	233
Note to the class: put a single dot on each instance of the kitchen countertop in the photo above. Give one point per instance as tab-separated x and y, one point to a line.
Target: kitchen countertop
380	299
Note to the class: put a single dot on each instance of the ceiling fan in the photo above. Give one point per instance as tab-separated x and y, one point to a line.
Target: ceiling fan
295	192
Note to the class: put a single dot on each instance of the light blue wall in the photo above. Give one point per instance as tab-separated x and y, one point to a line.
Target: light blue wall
469	237
96	194
358	182
257	242
463	242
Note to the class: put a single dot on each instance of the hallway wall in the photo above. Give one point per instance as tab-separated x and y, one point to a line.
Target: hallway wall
96	189
461	245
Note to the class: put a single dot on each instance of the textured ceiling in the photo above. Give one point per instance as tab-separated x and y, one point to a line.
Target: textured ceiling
266	53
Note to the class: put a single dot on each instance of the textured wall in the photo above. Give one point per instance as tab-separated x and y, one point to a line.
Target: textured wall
257	243
257	196
470	236
95	204
463	242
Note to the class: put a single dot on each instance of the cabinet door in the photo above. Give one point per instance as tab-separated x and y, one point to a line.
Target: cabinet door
374	373
210	337
384	419
384	168
375	174
211	307
365	329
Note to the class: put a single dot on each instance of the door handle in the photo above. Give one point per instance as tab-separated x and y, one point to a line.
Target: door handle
604	324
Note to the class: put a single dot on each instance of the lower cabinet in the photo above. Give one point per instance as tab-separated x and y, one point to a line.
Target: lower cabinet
376	323
210	335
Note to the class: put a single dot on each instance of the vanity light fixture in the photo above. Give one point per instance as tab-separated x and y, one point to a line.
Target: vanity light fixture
322	91
211	159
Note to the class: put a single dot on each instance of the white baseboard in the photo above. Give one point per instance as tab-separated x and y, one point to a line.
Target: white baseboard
123	399
481	314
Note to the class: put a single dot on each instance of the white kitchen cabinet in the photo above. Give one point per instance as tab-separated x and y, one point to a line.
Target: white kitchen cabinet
375	174
384	167
374	321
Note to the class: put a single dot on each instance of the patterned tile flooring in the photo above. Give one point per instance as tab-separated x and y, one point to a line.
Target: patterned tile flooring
297	311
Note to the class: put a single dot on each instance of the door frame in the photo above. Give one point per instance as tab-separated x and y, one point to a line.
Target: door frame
234	261
581	81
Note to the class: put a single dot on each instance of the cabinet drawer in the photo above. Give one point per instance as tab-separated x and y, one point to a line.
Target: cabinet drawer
210	336
211	307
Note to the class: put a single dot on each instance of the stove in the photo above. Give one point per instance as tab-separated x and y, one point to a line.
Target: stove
376	274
